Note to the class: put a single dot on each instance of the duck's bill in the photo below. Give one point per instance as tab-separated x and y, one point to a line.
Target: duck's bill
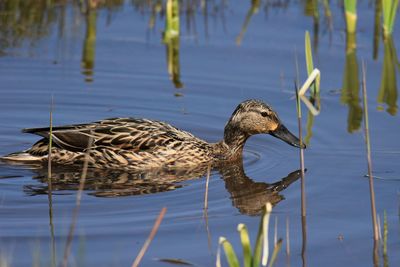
283	133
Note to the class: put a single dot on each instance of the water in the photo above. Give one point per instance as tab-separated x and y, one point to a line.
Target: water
130	78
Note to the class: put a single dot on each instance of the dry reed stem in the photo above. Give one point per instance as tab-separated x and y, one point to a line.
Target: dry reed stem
276	231
287	237
75	213
50	186
368	145
150	238
206	193
205	211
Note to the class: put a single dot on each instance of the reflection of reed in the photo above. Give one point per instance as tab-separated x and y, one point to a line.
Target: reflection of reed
311	9
89	45
377	28
26	20
172	41
351	86
174	69
29	21
255	5
388	89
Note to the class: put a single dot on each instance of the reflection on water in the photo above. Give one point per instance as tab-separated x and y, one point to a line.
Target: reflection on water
247	196
89	44
351	85
377	28
255	6
311	9
26	21
388	88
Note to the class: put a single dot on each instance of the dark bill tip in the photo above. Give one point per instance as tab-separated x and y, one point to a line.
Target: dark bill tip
283	133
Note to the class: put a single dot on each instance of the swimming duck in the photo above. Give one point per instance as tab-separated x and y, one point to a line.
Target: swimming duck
141	144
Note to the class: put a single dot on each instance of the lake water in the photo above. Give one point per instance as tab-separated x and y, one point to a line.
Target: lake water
109	62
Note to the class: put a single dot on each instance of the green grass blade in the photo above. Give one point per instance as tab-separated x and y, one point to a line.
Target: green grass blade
229	252
309	59
258	245
393	12
244	237
350	7
310	63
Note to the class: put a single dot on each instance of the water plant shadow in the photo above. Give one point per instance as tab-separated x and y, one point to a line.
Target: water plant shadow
247	195
351	85
388	89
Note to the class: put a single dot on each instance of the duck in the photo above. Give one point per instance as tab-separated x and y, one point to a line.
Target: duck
143	144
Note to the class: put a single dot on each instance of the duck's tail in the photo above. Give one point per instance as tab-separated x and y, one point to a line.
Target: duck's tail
37	153
23	157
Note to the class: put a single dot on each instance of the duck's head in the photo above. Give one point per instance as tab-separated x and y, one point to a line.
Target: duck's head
255	117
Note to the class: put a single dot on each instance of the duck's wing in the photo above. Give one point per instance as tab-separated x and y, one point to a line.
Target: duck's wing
119	133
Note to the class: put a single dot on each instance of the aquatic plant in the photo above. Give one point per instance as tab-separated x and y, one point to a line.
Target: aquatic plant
389	15
251	259
172	28
315	87
350	11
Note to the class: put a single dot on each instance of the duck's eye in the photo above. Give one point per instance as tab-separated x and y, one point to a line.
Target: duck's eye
264	114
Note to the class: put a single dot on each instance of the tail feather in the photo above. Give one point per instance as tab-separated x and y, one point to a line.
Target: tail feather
23	157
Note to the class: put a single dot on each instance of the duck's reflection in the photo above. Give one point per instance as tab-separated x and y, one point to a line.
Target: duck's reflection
247	195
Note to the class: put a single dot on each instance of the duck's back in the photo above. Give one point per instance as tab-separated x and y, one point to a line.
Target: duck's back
120	143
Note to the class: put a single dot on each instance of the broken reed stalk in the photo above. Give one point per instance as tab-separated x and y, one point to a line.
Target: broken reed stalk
368	145
50	186
206	193
75	213
287	238
150	238
205	211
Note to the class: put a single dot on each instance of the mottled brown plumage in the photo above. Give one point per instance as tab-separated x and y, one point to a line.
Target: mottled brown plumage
141	144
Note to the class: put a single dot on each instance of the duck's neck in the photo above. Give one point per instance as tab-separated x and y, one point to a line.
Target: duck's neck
234	140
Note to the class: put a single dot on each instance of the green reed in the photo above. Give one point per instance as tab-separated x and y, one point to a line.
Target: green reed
172	25
350	11
389	15
315	87
261	249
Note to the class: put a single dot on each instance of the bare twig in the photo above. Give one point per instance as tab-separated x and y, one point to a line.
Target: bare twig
368	144
150	238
